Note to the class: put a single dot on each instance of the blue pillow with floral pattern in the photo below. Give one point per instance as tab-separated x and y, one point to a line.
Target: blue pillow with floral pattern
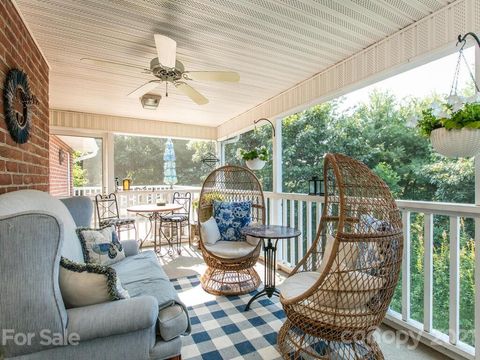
231	218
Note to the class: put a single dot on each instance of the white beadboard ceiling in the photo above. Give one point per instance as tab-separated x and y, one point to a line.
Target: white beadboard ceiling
273	44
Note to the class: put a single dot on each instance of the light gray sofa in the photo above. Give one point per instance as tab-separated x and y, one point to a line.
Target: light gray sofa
35	231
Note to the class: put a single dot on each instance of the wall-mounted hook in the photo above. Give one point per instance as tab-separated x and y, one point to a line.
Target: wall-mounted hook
265	119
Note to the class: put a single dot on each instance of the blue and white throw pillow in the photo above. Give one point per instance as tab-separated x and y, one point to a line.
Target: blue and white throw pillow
231	218
101	246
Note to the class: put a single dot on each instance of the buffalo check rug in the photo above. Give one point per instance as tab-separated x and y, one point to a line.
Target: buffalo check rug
221	329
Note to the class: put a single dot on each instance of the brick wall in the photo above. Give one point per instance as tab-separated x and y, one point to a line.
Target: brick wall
60	177
26	165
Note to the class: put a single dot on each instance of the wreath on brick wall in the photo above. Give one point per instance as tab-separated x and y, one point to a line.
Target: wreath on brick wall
17	104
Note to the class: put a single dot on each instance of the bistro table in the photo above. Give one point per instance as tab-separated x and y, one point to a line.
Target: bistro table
269	235
153	213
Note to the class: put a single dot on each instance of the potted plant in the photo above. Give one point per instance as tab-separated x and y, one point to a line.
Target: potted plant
256	158
453	126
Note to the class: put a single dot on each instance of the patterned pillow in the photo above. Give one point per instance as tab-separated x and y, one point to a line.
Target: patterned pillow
101	246
231	218
88	284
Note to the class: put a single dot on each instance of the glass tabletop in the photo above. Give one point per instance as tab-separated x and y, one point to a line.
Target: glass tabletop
271	231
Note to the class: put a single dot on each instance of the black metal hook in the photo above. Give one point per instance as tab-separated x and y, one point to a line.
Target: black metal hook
265	119
463	39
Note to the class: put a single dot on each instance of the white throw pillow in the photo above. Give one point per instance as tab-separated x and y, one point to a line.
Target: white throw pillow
88	284
210	231
101	246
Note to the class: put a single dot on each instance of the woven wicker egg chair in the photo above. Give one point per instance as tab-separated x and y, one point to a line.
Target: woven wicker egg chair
339	292
231	276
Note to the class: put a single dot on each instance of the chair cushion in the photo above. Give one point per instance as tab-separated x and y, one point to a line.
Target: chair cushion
101	246
230	249
210	231
345	290
175	218
117	222
88	284
231	218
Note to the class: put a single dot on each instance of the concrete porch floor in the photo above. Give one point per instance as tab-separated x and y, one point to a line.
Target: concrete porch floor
190	262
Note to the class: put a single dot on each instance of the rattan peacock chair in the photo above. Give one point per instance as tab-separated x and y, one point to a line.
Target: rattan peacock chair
226	275
339	292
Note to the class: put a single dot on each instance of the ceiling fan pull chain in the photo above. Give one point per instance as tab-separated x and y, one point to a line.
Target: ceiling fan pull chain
166	89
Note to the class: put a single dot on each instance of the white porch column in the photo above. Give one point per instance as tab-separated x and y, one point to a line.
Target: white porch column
277	184
477	230
109	163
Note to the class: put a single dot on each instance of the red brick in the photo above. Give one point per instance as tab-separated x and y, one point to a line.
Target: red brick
27	165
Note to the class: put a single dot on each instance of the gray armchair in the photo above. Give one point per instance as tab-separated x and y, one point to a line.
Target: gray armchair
35	231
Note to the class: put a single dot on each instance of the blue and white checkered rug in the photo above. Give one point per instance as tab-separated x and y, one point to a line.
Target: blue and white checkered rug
222	330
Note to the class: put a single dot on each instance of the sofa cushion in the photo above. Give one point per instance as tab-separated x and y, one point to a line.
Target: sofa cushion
34	200
88	284
141	275
101	246
231	249
231	218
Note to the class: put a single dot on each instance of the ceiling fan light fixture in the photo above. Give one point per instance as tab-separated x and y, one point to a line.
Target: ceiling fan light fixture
150	102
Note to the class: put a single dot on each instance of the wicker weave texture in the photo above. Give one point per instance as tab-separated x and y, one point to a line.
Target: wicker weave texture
231	276
358	253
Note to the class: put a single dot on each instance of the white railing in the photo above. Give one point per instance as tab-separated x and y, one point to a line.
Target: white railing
304	211
94	190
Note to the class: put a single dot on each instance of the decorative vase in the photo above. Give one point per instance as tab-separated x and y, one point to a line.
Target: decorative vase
454	143
255	164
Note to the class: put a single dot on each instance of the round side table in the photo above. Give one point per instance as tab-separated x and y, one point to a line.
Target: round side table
269	235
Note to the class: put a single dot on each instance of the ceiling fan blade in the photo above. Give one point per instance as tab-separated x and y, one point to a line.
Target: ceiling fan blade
111	64
142	90
191	93
230	76
166	50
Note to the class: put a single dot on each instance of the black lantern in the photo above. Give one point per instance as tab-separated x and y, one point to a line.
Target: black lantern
314	185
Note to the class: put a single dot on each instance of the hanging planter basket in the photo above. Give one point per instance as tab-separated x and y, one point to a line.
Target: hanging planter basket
456	143
255	164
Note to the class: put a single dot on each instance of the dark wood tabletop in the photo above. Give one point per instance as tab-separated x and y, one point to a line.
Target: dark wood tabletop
270	231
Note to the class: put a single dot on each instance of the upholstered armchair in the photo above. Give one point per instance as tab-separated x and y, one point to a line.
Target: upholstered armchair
339	292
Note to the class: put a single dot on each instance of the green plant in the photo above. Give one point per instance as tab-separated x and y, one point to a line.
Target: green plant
258	152
456	113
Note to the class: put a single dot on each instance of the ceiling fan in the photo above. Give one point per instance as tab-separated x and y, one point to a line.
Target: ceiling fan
167	69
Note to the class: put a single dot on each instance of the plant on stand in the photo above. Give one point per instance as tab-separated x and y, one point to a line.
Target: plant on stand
255	158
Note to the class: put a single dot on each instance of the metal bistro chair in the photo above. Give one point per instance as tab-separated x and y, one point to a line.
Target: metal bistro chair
177	221
108	214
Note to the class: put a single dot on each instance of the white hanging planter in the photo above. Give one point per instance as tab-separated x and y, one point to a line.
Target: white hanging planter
456	143
255	164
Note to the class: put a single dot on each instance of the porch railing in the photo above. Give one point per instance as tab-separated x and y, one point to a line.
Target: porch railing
304	211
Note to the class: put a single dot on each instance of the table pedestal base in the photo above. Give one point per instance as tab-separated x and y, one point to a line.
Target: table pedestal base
269	254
